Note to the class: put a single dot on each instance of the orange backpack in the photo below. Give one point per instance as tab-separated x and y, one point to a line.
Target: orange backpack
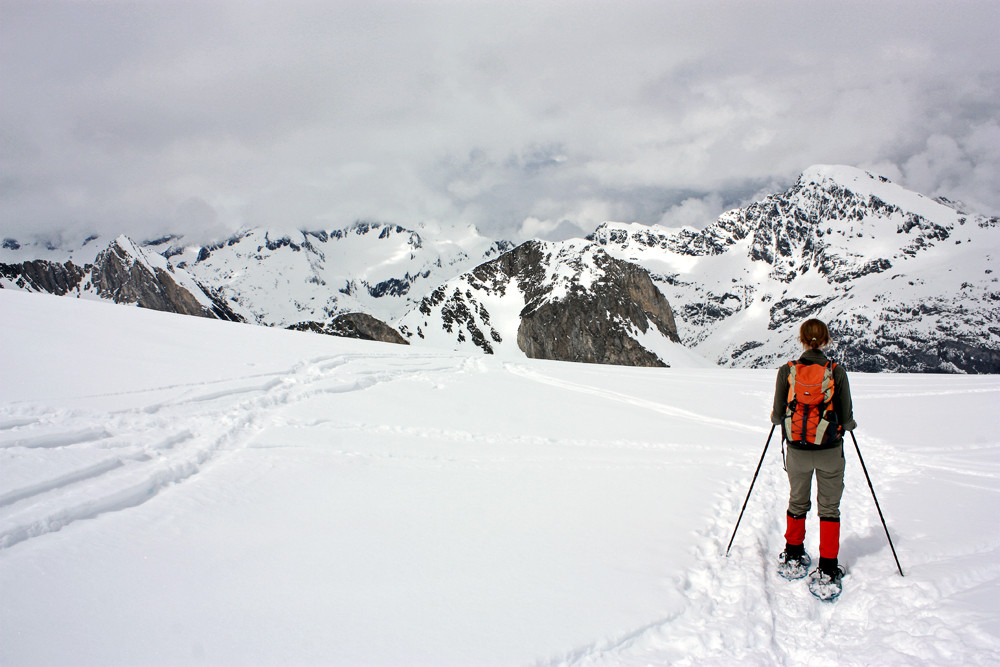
810	420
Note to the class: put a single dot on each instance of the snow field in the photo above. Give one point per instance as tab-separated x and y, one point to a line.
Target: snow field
183	491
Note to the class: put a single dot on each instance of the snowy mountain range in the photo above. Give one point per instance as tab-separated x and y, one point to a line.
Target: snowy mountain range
905	282
376	268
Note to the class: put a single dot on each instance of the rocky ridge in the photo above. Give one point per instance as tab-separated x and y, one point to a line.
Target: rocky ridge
905	282
355	325
569	301
122	273
372	267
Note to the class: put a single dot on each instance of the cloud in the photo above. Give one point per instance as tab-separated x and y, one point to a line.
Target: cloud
963	167
694	212
551	230
118	116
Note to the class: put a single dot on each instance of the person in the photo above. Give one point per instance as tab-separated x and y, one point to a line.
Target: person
826	461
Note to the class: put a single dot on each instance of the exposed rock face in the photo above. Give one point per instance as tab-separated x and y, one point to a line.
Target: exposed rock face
599	325
355	325
122	273
568	301
117	276
43	276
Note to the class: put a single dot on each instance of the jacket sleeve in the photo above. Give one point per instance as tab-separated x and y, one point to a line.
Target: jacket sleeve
780	396
844	405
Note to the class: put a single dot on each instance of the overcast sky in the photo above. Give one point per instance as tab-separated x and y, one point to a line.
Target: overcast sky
526	119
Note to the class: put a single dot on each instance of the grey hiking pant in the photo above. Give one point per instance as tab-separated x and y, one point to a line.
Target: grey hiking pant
828	465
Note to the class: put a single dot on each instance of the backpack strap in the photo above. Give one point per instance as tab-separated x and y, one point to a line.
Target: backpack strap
791	382
828	384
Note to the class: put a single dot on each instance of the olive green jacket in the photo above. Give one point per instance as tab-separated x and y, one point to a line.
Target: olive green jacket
841	392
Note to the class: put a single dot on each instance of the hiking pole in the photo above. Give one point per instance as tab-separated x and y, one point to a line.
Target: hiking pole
751	489
886	528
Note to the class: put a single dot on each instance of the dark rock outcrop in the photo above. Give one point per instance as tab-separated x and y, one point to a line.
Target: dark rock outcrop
355	325
599	325
43	276
117	275
579	304
120	273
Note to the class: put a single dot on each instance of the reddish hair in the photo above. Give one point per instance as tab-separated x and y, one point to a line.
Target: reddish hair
813	333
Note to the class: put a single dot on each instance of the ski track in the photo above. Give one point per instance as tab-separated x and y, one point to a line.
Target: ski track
662	408
131	460
57	438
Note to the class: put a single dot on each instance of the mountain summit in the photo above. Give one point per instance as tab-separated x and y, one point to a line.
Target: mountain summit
905	282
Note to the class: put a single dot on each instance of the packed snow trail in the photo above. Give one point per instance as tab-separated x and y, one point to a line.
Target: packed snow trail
739	610
202	492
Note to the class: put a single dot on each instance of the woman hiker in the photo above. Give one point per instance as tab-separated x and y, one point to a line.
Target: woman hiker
812	403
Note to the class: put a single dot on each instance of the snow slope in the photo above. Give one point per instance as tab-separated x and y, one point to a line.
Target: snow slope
176	490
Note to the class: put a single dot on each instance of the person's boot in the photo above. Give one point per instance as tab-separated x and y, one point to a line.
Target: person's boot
825	580
794	562
830	570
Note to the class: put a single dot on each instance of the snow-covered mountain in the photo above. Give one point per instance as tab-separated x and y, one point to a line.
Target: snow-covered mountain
121	272
376	268
906	283
569	301
274	279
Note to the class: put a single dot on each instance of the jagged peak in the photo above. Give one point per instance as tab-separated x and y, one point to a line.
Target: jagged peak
866	185
633	228
130	252
125	242
123	248
368	226
839	173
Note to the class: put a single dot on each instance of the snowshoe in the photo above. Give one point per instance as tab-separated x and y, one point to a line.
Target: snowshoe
793	566
826	585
